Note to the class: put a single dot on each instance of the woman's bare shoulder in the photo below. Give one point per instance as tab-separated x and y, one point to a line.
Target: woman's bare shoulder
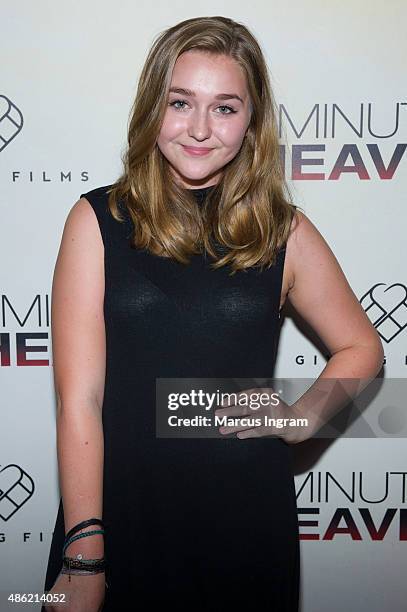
305	246
82	225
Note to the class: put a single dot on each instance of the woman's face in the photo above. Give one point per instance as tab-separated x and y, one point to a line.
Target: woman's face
210	110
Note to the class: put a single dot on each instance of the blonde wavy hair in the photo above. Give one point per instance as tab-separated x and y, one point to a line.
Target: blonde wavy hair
249	212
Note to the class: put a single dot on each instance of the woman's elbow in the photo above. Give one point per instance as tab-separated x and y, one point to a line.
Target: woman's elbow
375	350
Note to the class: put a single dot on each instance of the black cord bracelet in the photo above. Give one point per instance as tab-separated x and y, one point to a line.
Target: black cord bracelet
79	526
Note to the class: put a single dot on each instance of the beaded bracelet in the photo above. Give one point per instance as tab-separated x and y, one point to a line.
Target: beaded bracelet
78	565
83	564
79	572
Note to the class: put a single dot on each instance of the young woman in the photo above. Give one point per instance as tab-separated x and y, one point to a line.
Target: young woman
180	270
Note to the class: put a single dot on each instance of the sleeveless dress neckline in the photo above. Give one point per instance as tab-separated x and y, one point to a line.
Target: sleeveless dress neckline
201	192
201	188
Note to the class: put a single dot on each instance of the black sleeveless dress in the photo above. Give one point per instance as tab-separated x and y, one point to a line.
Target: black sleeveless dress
198	523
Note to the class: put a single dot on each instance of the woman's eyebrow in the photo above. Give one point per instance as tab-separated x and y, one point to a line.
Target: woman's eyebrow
189	92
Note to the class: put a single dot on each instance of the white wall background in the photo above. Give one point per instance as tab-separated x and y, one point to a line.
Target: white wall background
71	71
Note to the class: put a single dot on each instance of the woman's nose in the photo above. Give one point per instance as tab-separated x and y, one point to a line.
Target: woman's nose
199	125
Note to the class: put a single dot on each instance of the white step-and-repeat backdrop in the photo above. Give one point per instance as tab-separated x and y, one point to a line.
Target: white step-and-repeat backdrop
68	77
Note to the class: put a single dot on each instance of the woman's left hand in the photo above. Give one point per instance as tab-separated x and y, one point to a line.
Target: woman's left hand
275	418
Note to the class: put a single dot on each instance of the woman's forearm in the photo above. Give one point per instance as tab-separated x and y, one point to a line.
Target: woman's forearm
344	377
80	463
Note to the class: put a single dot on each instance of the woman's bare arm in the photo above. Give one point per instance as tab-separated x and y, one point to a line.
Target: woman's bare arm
322	295
79	353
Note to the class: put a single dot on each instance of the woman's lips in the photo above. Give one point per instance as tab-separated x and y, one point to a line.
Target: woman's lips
197	151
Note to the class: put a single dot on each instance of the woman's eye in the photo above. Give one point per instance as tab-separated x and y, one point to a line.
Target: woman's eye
177	102
230	110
